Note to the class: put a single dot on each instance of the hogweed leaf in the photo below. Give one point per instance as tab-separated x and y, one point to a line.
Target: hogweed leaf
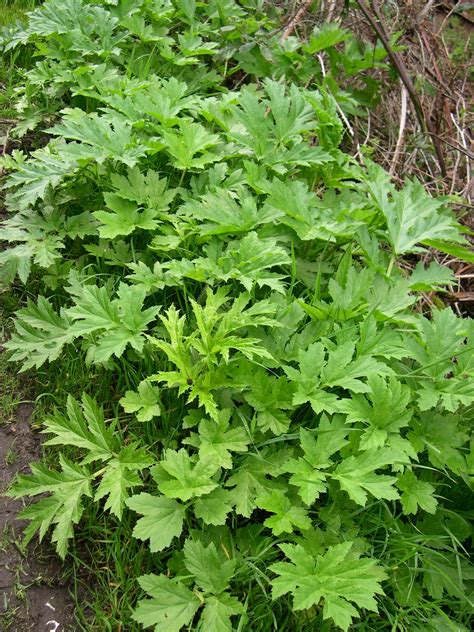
211	569
416	494
447	574
291	113
412	215
443	437
213	508
57	17
120	322
341	369
384	410
94	310
98	137
139	201
327	35
433	277
379	341
250	482
443	350
248	260
120	475
357	475
180	476
288	515
271	397
308	385
130	301
217	328
296	207
162	519
151	279
188	145
46	169
147	190
338	577
163	101
63	508
40	334
215	336
217	613
221	214
84	427
308	472
170	607
439	339
309	481
330	438
123	217
115	483
145	402
216	440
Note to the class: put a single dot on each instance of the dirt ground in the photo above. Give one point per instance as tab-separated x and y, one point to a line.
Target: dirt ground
34	595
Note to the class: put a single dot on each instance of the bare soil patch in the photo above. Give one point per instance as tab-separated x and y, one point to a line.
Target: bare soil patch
34	594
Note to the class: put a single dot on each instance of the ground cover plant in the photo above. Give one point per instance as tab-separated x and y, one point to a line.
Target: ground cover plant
273	431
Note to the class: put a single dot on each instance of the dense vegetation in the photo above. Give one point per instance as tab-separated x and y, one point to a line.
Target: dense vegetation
274	428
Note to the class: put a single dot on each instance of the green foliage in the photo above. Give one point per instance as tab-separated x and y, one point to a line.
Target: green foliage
144	402
107	325
285	419
84	428
335	576
63	508
162	519
173	605
412	215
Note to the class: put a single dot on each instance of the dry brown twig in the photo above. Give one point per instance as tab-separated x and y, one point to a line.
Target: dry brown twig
425	10
378	26
330	10
5	142
450	11
401	132
295	20
422	143
441	91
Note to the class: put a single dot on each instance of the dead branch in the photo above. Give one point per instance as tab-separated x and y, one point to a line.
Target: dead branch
378	26
295	20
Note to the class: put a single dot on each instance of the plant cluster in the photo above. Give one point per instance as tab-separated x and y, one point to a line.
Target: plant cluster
287	426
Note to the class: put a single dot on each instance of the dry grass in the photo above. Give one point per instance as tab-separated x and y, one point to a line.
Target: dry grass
436	51
438	55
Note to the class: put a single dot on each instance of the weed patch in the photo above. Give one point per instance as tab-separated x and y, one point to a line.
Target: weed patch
261	425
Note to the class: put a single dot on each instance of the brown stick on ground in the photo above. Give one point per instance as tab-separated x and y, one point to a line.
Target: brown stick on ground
378	25
294	21
444	6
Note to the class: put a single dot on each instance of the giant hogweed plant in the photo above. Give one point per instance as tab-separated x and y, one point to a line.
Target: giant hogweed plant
294	425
